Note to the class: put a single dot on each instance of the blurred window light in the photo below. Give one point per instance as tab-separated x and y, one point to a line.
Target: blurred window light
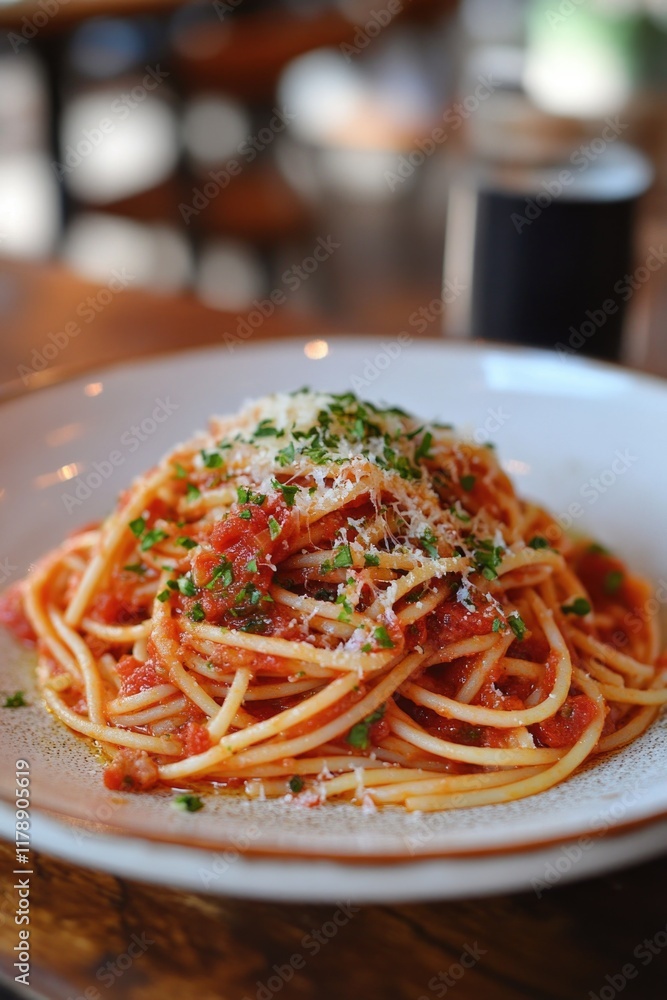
105	47
30	212
154	256
115	144
323	92
214	126
382	102
231	275
580	83
584	65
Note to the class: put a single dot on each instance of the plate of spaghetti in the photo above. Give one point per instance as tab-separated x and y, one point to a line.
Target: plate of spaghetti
418	623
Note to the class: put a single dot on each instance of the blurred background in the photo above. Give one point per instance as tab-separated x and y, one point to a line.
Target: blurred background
485	168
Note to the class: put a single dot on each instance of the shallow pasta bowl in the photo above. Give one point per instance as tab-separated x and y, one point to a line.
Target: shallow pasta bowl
582	438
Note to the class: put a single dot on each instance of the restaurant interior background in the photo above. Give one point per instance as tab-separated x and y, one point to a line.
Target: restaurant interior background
347	160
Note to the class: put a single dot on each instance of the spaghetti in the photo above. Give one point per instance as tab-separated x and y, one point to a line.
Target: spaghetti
322	599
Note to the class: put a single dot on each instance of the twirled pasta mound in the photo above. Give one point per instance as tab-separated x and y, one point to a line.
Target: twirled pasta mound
323	599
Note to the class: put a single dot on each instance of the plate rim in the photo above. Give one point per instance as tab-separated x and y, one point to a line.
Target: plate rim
14	390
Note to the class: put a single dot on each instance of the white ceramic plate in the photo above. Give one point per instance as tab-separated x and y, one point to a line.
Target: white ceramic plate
585	439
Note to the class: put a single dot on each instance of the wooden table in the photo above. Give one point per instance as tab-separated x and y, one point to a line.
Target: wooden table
571	944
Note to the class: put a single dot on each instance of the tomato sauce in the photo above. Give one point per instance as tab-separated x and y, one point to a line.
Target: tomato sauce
131	771
566	727
13	616
452	621
136	676
194	737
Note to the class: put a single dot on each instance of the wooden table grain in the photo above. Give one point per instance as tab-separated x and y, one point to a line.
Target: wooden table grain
100	937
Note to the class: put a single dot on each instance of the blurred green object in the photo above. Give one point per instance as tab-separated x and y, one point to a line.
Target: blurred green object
586	58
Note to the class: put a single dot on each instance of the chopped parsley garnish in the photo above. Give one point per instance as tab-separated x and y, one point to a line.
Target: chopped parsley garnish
164	595
186	543
186	586
135	568
371	560
274	528
317	453
245	495
138	526
251	594
468	483
16	700
518	625
613	581
196	613
245	515
252	566
180	471
343	557
212	459
461	514
538	542
398	463
151	538
223	572
255	626
424	449
498	625
580	606
383	638
487	557
295	784
359	736
429	543
286	455
188	802
289	492
598	550
347	609
265	428
192	492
